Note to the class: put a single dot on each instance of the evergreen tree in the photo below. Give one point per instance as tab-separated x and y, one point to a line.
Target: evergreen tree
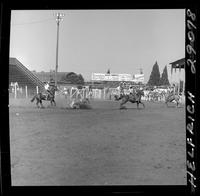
73	78
80	79
164	78
154	79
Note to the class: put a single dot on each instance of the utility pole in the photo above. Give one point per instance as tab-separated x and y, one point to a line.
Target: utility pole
59	17
141	71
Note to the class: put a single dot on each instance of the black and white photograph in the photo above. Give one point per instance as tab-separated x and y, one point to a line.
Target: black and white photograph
97	97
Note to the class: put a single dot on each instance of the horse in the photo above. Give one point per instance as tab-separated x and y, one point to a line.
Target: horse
172	97
48	96
133	98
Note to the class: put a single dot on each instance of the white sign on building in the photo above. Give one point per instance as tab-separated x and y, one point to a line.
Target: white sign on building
138	78
111	77
118	77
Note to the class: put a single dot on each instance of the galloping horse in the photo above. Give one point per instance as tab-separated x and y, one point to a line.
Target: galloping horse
49	96
172	97
133	98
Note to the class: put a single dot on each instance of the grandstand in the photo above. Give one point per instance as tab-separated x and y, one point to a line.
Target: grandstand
22	82
178	74
20	74
49	76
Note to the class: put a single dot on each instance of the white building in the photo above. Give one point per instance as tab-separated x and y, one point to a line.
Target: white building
118	77
176	73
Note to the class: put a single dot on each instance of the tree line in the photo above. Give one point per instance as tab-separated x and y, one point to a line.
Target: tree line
156	79
72	78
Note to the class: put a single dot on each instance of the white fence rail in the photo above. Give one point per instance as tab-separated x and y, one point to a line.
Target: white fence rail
16	91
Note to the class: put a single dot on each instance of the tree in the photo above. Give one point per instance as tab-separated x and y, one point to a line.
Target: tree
108	72
154	79
164	78
80	79
73	78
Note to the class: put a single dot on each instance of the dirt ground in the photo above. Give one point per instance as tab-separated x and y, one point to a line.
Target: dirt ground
98	146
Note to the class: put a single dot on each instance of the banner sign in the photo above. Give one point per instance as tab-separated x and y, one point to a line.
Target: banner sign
138	78
118	77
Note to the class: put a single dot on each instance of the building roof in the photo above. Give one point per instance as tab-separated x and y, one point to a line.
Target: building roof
47	76
178	63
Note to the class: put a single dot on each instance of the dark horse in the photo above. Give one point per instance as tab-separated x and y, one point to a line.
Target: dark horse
133	98
48	96
172	97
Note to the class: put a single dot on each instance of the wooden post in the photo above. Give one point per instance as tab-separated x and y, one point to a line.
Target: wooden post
37	89
100	96
95	93
26	91
15	90
84	93
183	96
70	94
77	94
179	87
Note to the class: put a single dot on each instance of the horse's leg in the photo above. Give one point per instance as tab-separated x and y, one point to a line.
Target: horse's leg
37	103
177	103
142	104
137	104
53	103
122	104
41	104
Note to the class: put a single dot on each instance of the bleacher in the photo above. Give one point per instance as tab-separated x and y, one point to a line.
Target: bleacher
20	74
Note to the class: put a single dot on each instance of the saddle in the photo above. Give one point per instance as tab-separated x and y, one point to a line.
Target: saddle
134	97
48	94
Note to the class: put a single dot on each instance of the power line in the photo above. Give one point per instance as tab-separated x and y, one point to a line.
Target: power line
33	22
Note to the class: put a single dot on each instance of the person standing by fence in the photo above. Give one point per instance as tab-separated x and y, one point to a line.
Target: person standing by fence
47	88
121	89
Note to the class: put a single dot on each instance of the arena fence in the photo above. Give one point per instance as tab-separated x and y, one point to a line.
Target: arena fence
16	91
72	92
85	92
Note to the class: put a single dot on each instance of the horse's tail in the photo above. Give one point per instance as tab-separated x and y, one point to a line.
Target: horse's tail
32	100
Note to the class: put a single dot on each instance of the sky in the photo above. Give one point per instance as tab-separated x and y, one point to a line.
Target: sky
93	41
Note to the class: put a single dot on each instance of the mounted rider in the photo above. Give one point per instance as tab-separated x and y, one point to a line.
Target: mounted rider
134	92
121	88
48	90
172	90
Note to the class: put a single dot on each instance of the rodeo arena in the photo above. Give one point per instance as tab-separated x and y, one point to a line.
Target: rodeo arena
113	130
